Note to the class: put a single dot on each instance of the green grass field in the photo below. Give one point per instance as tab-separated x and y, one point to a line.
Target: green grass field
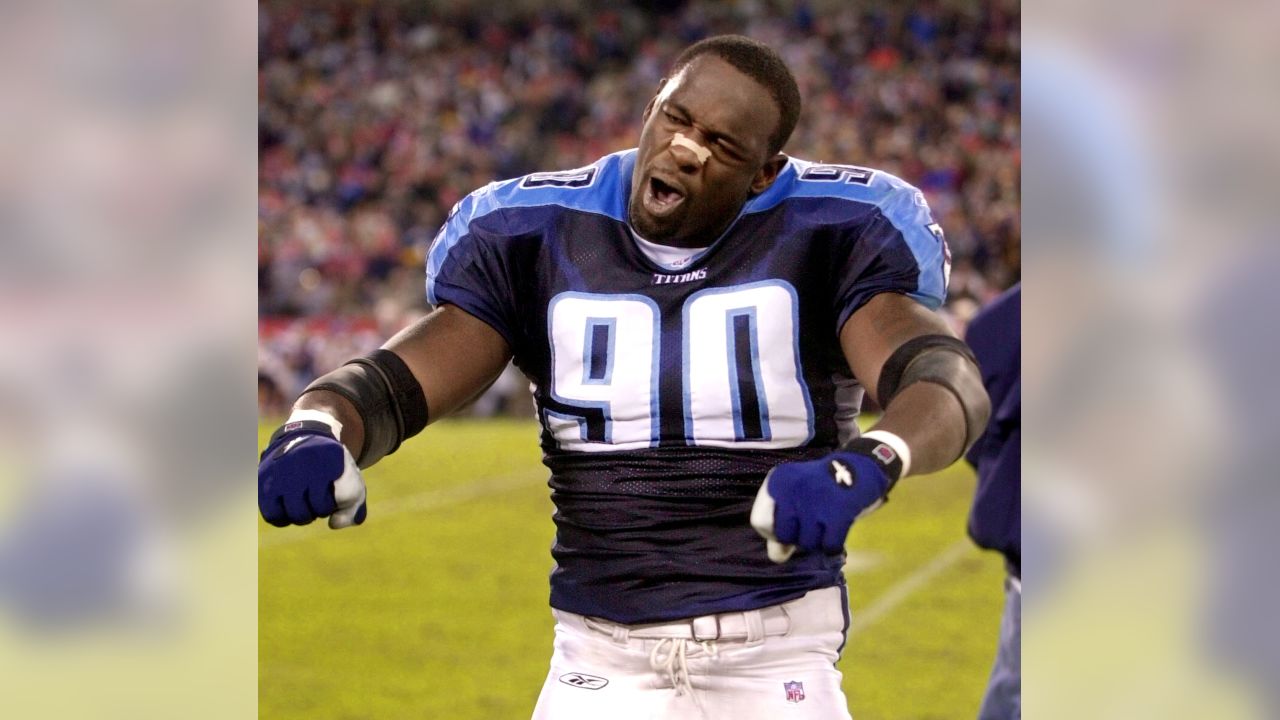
437	606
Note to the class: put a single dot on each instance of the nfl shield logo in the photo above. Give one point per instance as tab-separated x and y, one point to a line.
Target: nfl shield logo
795	691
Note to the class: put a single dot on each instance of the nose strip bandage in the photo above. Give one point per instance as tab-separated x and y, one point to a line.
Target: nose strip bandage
684	142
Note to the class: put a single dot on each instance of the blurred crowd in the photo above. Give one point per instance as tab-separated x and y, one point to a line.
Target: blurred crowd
375	118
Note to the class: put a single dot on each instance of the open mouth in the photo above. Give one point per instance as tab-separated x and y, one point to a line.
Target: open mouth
660	197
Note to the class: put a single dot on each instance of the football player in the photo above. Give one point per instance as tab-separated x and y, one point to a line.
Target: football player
700	318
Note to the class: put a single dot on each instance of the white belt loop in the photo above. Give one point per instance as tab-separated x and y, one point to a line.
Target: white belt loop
706	627
617	632
755	625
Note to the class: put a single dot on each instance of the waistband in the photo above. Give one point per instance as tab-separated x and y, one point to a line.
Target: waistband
817	611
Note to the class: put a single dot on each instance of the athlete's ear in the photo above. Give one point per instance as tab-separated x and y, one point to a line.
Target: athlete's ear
648	109
767	174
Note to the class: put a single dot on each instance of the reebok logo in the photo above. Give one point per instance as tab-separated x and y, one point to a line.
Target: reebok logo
884	453
841	473
586	682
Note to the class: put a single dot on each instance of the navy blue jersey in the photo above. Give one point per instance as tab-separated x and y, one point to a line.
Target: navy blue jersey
995	522
665	396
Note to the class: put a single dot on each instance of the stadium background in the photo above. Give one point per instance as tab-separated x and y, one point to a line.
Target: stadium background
375	118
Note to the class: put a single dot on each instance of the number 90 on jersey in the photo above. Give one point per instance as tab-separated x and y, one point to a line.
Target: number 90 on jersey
740	377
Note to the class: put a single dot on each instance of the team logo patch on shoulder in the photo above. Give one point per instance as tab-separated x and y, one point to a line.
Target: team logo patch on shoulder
580	178
838	173
586	682
794	690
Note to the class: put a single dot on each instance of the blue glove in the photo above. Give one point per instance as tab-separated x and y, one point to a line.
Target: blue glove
306	473
812	504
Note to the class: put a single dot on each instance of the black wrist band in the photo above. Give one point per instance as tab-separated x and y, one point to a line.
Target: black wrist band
881	453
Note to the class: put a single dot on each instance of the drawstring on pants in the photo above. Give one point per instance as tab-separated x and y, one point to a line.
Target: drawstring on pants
675	662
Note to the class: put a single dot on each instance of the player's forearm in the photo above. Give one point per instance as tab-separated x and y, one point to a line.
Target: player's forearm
453	355
342	410
423	373
928	417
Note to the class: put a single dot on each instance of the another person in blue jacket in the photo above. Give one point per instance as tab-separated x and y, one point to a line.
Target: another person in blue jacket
995	522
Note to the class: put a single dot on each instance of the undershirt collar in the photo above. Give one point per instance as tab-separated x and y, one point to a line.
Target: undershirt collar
670	258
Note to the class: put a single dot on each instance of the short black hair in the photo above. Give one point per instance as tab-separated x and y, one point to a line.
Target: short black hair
760	63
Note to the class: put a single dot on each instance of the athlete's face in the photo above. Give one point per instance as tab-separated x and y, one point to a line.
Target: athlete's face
684	193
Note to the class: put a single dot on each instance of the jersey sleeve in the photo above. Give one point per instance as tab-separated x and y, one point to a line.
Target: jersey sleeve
898	249
467	267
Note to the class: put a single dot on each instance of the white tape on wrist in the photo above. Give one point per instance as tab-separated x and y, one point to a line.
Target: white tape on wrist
318	416
898	444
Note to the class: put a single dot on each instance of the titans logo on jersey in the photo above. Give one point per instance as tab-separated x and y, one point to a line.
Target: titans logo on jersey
666	395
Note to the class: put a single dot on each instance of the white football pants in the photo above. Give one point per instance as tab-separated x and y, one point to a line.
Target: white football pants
776	662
